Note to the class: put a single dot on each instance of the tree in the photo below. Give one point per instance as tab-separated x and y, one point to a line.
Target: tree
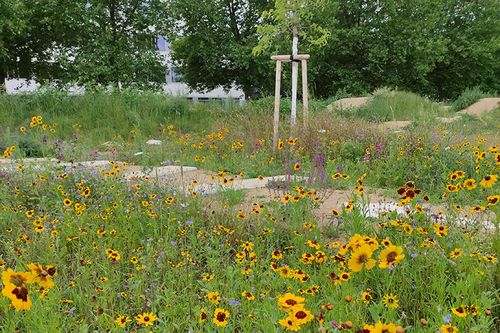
38	30
291	17
12	25
212	45
117	43
436	48
88	42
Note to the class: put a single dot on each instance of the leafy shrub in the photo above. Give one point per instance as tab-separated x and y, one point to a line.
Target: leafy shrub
468	97
30	148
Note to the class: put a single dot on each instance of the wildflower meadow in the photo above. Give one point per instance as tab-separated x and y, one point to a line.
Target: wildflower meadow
95	239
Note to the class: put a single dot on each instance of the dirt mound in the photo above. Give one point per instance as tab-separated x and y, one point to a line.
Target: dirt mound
394	125
481	106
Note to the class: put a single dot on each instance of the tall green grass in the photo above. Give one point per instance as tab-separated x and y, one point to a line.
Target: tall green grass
104	116
388	105
468	97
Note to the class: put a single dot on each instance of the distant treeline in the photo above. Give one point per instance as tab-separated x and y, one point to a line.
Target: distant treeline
436	48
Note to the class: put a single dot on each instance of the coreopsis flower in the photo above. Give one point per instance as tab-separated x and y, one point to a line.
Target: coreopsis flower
289	301
15	288
459	311
361	257
390	301
289	324
203	316
43	275
122	321
221	317
146	319
488	181
301	316
448	328
391	255
213	297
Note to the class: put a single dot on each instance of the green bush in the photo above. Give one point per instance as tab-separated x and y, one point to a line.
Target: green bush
468	97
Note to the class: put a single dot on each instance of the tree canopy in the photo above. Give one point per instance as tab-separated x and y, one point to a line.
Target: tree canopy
432	47
212	44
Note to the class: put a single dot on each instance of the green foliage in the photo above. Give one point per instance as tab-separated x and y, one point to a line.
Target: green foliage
388	105
94	42
468	97
454	47
212	45
287	16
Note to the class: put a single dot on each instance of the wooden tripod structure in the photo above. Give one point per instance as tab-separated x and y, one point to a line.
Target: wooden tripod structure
302	58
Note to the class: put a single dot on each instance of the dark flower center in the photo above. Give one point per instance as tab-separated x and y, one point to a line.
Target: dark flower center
300	315
221	316
391	257
21	293
362	259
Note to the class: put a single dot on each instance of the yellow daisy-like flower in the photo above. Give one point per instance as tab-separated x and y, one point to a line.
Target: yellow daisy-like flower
203	316
43	276
470	184
386	328
18	295
488	181
248	295
122	321
301	316
221	317
289	301
146	319
391	301
361	257
16	278
459	311
214	297
448	328
456	252
391	255
289	324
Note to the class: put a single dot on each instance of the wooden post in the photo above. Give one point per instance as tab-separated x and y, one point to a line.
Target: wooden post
305	98
295	76
277	93
277	98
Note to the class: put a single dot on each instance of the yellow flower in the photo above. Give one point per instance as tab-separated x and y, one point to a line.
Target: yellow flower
146	319
203	316
221	317
386	328
301	316
470	184
488	181
448	328
11	277
248	295
289	324
18	295
459	311
289	301
391	255
457	252
213	297
43	276
122	321
390	301
361	257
